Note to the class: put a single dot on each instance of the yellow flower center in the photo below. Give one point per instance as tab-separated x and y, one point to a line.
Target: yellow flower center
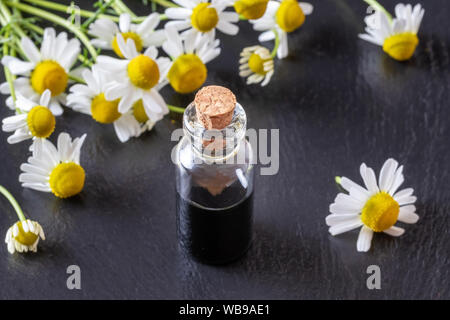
139	111
25	238
204	18
187	73
127	35
143	72
401	46
380	212
251	9
256	64
105	111
289	15
50	75
41	122
67	179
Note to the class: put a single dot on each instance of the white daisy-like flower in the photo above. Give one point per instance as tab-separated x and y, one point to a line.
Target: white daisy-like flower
202	16
250	9
256	64
143	34
33	120
376	208
90	99
138	76
397	36
24	236
188	71
55	170
283	17
45	69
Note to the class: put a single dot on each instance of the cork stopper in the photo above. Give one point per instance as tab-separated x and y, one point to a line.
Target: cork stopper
214	106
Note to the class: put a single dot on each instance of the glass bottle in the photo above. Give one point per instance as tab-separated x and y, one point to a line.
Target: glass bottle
214	189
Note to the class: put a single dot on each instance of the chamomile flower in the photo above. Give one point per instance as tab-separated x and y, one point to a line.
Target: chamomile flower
33	120
55	170
24	236
283	17
256	64
90	99
251	9
375	208
45	69
397	36
143	34
202	16
138	76
188	71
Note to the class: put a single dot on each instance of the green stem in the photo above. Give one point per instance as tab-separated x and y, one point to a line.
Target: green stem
377	6
165	3
8	75
175	109
76	79
276	45
7	15
123	8
33	27
99	11
57	20
13	202
64	8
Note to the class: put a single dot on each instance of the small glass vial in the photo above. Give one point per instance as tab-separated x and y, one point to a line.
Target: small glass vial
214	184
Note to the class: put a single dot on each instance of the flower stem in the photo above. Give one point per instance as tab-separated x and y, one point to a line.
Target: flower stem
175	109
377	6
276	45
13	202
76	79
122	7
8	75
57	20
165	3
64	8
10	80
7	15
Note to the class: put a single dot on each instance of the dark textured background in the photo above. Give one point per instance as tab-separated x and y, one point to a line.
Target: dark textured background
338	101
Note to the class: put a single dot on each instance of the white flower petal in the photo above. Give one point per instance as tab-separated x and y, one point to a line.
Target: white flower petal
178	13
266	36
387	174
398	180
150	23
45	98
407	216
124	22
306	7
394	231
403	193
364	239
343	209
30	50
345	226
368	176
227	27
334	219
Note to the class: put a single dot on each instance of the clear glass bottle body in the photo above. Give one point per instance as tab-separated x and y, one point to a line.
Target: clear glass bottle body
214	189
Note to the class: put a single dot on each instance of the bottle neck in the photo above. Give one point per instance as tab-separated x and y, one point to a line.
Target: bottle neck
214	145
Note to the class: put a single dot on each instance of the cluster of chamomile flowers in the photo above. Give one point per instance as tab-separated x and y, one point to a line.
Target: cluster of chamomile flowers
124	90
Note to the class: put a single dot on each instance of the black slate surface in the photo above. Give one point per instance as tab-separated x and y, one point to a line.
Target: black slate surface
338	101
